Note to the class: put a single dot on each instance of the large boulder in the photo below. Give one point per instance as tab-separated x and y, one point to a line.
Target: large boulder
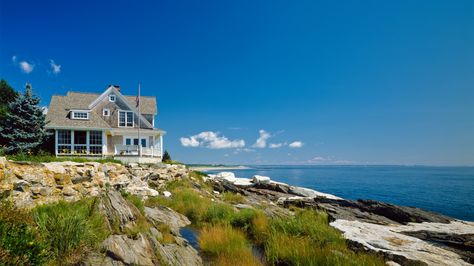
129	251
259	179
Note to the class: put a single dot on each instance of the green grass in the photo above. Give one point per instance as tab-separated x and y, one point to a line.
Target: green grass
52	158
227	245
20	241
68	228
307	239
233	198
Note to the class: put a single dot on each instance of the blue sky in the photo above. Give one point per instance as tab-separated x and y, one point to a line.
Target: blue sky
353	82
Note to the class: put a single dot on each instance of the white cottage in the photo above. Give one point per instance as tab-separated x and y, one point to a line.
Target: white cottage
106	125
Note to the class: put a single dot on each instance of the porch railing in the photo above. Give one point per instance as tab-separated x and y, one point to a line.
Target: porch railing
134	150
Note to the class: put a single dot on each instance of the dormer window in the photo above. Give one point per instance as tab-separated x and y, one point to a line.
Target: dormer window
82	115
112	98
106	112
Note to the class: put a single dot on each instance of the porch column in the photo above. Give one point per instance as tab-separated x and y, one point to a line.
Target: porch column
104	144
87	141
56	142
161	146
72	141
153	147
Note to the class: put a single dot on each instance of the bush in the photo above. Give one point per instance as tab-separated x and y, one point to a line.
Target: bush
68	227
20	243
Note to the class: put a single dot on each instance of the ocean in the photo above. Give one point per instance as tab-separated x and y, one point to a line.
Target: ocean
446	190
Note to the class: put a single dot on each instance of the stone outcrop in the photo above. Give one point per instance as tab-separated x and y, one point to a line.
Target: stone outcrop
32	184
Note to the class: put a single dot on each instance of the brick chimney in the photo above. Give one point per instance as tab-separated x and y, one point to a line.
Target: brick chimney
117	87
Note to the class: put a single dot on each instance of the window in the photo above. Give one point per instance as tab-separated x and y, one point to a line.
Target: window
80	115
125	119
64	141
80	142
134	141
112	98
106	112
95	142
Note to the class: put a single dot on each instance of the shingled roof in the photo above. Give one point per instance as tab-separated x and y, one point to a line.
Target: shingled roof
59	107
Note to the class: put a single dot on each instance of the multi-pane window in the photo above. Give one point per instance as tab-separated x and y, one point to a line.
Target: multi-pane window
64	141
112	98
125	119
80	115
106	112
95	142
80	142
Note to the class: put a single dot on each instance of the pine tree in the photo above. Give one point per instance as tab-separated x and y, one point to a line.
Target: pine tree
8	95
23	127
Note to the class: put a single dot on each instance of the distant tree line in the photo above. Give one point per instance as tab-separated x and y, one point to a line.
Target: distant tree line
22	121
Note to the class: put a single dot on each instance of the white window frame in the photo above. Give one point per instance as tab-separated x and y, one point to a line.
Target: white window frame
73	115
126	118
106	110
112	98
147	142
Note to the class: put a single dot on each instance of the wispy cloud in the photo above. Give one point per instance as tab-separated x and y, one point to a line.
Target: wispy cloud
296	144
211	140
55	68
276	145
262	140
26	67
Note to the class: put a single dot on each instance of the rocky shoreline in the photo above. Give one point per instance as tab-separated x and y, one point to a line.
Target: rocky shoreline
402	235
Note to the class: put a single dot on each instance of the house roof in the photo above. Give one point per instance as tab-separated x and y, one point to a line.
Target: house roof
81	100
57	115
59	107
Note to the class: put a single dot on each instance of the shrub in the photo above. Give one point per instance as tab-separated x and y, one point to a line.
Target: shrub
20	243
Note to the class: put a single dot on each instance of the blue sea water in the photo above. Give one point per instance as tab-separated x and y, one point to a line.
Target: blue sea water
446	190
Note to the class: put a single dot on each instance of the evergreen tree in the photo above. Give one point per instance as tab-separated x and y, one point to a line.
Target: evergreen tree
23	127
166	157
7	96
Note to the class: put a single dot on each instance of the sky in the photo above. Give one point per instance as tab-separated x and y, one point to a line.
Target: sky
265	82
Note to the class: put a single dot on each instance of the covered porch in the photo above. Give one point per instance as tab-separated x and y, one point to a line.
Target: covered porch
122	144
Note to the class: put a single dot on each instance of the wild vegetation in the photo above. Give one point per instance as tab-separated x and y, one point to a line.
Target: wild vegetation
44	157
54	234
227	233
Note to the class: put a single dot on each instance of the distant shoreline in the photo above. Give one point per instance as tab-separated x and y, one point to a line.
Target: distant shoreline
206	168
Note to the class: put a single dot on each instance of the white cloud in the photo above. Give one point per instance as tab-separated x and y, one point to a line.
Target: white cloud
296	144
211	140
26	67
55	68
276	145
14	59
262	140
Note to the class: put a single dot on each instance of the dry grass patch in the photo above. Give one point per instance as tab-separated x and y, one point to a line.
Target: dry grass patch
227	245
